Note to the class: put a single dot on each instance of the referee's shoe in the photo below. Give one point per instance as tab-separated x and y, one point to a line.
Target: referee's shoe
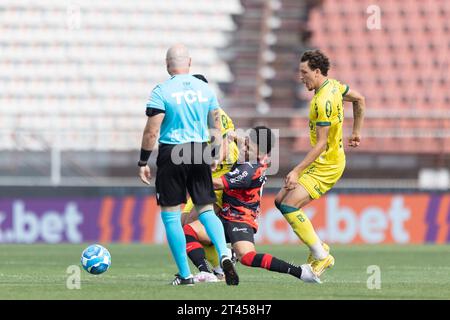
231	276
179	281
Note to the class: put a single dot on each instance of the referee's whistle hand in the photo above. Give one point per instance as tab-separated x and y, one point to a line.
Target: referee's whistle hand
145	174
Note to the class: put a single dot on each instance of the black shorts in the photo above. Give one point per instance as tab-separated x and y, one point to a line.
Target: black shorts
237	231
173	179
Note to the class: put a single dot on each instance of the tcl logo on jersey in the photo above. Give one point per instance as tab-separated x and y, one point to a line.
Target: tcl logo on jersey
190	96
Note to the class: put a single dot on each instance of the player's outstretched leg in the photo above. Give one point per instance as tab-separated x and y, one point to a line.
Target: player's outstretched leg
271	263
321	259
289	203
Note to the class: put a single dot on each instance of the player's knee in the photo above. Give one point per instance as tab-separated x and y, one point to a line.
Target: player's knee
246	258
285	208
240	252
279	203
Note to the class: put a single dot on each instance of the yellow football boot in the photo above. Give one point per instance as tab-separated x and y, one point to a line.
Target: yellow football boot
319	266
311	258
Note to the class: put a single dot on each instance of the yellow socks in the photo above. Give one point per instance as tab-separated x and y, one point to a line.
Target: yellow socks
303	228
211	255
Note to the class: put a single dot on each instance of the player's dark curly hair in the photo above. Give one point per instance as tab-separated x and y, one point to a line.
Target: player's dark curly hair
263	137
317	60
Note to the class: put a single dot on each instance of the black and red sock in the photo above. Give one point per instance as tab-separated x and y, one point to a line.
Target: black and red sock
195	249
271	263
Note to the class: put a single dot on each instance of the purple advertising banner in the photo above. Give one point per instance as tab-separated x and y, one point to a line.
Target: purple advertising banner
49	220
74	220
337	218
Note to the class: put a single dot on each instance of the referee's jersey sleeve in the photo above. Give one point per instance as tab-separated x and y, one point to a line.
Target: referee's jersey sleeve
156	100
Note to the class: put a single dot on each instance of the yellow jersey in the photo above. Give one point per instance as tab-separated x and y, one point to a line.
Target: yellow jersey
327	109
226	124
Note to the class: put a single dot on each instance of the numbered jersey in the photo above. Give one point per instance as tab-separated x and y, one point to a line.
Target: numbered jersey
327	109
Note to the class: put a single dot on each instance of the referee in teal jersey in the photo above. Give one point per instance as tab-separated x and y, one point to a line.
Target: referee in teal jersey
179	109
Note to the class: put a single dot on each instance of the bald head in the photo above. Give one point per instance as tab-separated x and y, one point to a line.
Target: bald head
178	60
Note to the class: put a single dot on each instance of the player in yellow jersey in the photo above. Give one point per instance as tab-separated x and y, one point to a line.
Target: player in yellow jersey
229	156
324	164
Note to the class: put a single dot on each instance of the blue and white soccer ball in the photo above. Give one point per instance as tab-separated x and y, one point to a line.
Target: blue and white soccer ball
96	259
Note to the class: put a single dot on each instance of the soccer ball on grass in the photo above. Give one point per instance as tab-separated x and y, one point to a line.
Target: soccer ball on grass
96	259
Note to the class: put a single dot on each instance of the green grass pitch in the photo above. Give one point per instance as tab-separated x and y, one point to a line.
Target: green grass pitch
144	272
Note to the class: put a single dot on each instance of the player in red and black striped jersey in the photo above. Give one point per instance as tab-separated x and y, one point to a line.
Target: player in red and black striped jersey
242	190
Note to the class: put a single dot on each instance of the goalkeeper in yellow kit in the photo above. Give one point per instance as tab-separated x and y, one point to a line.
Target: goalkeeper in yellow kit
230	155
325	162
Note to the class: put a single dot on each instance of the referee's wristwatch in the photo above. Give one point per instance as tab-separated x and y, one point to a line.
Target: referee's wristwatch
142	163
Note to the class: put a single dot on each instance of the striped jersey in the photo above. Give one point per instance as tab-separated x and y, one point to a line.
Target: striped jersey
242	193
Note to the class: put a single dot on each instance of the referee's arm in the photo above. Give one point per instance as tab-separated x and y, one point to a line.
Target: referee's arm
149	137
151	131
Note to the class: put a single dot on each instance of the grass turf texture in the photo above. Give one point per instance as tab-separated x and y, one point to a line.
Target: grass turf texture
144	272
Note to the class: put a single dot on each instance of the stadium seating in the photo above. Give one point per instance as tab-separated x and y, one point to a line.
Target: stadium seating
399	59
82	71
402	69
264	54
88	67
